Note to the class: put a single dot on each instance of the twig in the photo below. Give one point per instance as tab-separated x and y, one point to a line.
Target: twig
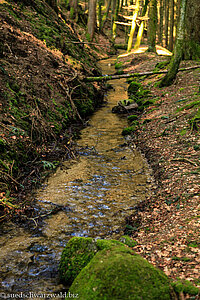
72	42
10	177
71	101
182	159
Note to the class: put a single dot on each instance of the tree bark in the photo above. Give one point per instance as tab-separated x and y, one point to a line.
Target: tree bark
178	51
160	31
141	27
152	27
91	25
53	4
166	22
133	26
128	75
171	26
114	32
191	45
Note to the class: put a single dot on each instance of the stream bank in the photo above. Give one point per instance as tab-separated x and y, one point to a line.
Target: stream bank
92	194
168	134
43	99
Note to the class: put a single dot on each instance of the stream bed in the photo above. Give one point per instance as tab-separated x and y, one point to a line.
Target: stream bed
96	192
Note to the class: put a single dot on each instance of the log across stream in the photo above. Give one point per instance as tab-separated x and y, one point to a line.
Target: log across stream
97	191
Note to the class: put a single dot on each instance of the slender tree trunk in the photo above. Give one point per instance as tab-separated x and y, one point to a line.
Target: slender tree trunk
133	26
178	51
53	4
141	28
113	6
152	28
100	2
171	27
114	33
191	46
73	9
105	17
91	25
166	22
160	32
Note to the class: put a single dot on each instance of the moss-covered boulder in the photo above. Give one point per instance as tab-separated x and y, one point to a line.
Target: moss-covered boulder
78	253
118	273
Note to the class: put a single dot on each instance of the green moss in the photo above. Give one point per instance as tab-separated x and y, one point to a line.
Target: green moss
125	239
132	118
126	102
78	253
134	87
189	105
118	65
194	122
161	65
185	287
128	130
120	274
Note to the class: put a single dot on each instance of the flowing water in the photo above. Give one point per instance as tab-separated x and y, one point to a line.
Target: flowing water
96	192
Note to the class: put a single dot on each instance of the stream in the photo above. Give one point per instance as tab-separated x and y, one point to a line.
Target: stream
96	192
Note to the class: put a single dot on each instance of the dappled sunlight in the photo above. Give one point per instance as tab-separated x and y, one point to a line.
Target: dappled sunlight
159	49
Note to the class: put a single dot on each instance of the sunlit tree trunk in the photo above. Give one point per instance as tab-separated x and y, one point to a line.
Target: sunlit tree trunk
133	26
141	28
166	22
152	27
171	27
114	33
178	50
91	25
100	2
160	31
113	6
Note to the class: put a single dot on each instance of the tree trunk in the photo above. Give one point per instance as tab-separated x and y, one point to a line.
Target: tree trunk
100	2
53	4
106	13
91	25
133	26
178	51
141	28
114	33
160	31
73	9
166	22
171	27
152	27
191	45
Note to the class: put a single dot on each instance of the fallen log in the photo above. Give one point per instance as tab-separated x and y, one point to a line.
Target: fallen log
128	75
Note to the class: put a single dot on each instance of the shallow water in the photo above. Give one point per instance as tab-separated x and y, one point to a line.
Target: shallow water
96	192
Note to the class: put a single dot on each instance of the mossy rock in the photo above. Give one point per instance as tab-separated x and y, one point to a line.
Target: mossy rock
120	274
127	240
128	130
186	287
133	87
126	102
78	253
132	118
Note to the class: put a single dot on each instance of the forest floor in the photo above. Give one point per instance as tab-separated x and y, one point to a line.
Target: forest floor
43	99
167	224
